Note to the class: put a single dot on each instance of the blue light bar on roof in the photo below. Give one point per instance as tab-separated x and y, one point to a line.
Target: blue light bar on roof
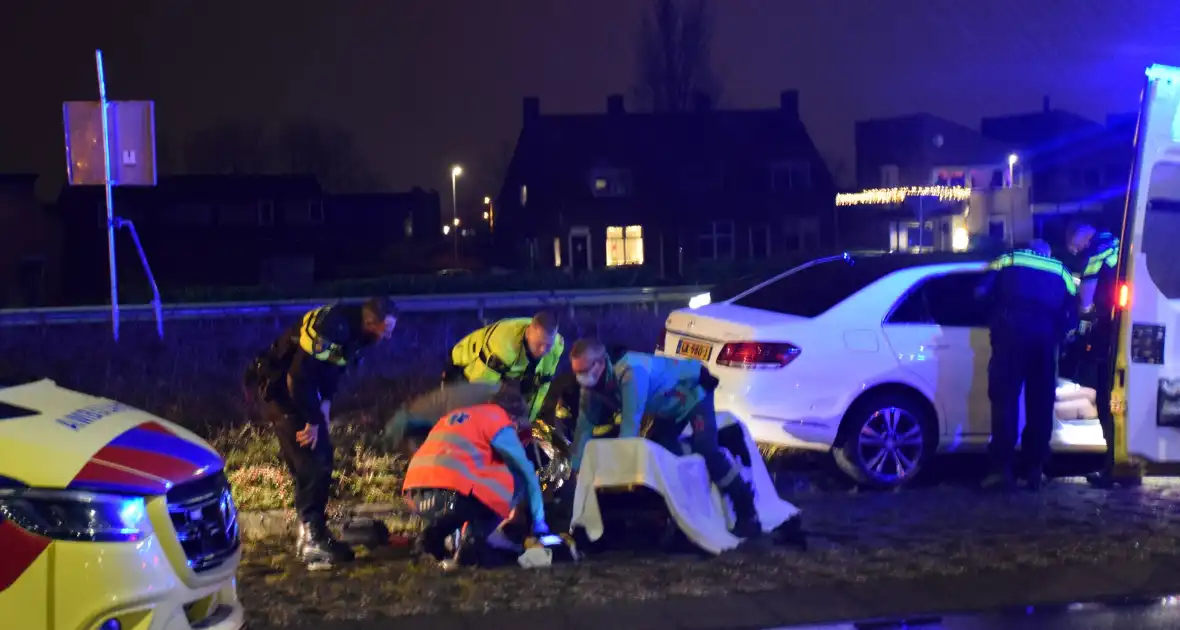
1159	72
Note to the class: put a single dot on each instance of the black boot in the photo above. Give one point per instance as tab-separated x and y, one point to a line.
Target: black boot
318	549
746	523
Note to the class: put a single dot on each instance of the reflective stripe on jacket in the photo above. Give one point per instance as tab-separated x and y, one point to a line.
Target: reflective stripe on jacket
1106	255
499	351
318	346
458	455
1027	288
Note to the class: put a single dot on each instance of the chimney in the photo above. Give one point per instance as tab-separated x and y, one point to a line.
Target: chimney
1045	105
788	102
531	110
614	105
701	102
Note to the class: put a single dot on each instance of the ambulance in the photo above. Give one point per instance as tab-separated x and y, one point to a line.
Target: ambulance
110	518
1146	394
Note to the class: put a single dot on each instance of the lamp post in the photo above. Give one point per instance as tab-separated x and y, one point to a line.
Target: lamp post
1012	160
490	214
456	171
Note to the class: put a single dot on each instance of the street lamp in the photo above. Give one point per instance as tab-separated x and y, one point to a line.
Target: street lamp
1012	160
490	214
456	171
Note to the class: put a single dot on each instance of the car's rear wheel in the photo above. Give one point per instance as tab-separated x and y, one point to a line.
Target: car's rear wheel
887	440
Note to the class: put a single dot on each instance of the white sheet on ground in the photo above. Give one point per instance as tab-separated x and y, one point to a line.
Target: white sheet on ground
694	503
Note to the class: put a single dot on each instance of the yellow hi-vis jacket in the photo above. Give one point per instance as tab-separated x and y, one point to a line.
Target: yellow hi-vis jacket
499	351
317	342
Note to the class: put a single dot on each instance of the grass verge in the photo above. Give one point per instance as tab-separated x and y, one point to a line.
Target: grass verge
365	473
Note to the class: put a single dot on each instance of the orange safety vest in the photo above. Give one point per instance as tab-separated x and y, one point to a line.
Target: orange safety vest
457	455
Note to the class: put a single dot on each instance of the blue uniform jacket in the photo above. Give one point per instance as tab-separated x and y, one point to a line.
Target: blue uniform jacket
643	384
1031	293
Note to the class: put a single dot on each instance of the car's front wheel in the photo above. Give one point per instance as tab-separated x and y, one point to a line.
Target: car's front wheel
887	440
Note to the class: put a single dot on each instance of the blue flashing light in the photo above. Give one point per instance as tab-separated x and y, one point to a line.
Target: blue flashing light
1158	72
132	513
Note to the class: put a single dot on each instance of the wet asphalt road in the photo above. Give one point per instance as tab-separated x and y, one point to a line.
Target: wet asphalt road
1153	615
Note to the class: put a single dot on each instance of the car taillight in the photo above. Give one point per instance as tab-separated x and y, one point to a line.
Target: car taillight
660	342
754	355
1124	296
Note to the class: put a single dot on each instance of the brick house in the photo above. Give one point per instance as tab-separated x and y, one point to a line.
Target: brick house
664	191
239	230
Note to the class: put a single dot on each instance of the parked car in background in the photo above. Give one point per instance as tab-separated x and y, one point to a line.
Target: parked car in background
880	359
110	518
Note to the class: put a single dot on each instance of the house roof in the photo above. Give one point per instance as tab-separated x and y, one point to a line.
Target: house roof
582	140
958	145
554	149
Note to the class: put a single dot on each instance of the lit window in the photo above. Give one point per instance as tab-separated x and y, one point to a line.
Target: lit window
556	251
524	196
601	184
624	246
960	239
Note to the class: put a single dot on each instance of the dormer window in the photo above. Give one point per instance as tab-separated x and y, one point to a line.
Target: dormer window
610	182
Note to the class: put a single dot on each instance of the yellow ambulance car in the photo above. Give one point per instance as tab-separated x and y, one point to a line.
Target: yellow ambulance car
110	518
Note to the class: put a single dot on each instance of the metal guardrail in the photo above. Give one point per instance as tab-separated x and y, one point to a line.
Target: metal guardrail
410	303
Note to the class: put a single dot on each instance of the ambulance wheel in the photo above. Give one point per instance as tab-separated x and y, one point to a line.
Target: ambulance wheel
887	439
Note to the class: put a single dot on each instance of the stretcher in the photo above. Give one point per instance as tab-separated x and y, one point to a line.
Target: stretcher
696	506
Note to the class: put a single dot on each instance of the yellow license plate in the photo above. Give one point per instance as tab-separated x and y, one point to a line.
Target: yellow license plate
694	350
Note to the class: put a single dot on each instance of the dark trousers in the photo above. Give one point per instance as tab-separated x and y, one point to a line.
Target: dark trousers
1096	373
1022	359
443	512
310	468
703	420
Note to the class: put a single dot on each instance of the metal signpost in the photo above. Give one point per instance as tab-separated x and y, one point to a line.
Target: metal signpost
113	143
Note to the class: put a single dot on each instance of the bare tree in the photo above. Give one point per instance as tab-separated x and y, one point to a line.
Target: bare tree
232	147
675	55
324	151
299	147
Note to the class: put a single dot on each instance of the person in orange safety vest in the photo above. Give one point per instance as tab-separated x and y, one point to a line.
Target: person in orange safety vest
470	474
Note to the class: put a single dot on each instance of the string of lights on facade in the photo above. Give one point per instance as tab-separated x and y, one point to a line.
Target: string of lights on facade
888	196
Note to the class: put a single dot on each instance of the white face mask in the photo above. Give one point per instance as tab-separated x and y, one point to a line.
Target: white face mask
587	380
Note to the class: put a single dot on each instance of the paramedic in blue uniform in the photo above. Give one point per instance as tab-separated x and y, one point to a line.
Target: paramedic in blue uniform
678	394
1033	301
1098	254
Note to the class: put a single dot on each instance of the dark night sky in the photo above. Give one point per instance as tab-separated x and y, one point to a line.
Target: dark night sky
423	83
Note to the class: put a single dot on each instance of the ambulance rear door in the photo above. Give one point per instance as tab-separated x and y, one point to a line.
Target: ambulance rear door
1147	375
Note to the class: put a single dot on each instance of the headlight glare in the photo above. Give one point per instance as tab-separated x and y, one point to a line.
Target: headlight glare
698	301
78	516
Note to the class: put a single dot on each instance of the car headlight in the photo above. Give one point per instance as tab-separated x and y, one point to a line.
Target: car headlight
698	301
78	516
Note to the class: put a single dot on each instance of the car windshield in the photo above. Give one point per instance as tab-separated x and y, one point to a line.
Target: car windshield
812	290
